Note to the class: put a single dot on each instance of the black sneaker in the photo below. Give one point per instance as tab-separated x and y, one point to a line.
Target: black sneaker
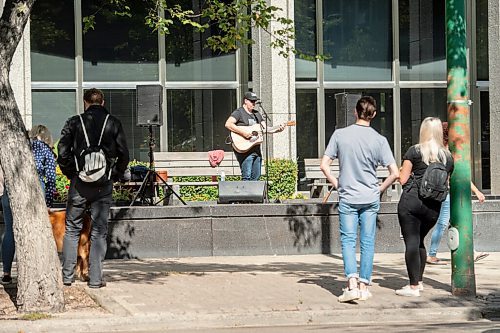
7	279
95	286
68	283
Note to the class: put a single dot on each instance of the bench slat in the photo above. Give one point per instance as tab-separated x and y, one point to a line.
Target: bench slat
189	163
319	184
188	155
178	172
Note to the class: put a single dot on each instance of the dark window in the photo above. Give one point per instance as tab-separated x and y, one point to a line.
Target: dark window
358	40
196	119
307	129
416	105
120	48
52	41
422	42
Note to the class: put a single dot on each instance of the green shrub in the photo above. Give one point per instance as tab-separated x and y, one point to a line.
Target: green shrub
119	193
62	187
197	193
282	184
282	179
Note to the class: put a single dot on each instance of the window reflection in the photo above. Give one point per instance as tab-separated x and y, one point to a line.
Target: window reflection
358	39
188	57
417	104
52	41
422	43
485	139
52	108
482	59
383	121
305	40
120	48
122	104
307	129
196	119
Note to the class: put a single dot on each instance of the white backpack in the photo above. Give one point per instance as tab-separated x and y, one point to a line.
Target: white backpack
94	159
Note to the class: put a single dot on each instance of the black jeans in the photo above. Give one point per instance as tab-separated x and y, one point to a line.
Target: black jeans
416	218
81	195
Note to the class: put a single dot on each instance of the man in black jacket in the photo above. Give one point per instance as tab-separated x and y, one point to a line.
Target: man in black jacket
96	195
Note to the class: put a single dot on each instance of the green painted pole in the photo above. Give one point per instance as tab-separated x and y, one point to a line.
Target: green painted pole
462	258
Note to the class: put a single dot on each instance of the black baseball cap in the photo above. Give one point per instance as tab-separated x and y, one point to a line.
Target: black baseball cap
251	96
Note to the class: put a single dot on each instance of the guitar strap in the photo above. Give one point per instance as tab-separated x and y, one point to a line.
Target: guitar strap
255	117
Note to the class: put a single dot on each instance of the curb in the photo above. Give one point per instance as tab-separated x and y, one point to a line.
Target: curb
199	320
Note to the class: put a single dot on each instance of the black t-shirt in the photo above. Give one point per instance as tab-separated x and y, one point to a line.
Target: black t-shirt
243	118
418	166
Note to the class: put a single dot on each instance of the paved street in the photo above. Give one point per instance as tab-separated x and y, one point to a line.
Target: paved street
274	292
470	327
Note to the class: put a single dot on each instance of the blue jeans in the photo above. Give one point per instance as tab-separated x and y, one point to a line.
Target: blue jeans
365	216
251	167
8	244
441	225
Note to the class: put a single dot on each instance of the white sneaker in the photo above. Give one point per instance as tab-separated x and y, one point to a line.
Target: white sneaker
420	286
364	295
349	295
408	291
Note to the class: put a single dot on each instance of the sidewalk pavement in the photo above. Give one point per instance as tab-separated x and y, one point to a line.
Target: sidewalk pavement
161	294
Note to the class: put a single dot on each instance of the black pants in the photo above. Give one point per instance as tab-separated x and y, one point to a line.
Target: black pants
81	195
416	218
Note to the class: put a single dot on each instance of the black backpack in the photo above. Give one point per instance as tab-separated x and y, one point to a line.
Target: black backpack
434	183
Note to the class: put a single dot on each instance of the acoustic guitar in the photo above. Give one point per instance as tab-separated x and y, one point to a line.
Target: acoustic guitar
241	144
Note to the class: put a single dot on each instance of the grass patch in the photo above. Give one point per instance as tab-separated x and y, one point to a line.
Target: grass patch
35	316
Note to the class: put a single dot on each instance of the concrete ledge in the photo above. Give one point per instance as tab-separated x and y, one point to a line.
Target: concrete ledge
259	229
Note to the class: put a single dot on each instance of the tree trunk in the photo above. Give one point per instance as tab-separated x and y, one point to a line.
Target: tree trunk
39	272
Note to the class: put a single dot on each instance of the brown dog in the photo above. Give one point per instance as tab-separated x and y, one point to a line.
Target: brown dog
58	221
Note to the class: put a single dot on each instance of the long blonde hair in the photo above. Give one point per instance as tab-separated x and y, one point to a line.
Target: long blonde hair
42	133
431	141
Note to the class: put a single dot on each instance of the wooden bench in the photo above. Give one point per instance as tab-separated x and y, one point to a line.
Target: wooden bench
320	186
189	164
185	164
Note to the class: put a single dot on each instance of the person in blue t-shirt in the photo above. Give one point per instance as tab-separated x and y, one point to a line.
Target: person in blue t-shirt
360	150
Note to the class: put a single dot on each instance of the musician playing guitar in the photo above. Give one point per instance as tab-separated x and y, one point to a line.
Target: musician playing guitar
238	122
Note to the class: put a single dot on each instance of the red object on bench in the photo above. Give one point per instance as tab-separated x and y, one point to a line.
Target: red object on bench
215	157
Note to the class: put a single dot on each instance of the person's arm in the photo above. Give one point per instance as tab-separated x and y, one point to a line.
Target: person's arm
405	172
393	175
480	196
231	125
65	158
325	167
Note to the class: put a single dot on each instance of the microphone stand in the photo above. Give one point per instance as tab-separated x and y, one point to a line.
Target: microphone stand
266	152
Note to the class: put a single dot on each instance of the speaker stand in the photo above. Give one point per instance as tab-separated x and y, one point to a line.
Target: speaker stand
148	188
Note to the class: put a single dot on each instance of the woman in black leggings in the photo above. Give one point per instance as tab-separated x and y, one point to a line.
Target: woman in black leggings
417	216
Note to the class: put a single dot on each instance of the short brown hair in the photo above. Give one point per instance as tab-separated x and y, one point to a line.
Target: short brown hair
366	107
93	96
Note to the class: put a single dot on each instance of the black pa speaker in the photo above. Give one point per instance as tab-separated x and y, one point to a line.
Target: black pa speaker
344	108
241	192
149	101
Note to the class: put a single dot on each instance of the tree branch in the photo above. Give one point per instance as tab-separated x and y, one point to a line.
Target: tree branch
12	23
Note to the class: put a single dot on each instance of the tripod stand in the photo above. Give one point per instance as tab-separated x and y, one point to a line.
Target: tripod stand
148	189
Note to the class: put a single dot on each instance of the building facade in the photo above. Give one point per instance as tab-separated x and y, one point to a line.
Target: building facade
393	50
